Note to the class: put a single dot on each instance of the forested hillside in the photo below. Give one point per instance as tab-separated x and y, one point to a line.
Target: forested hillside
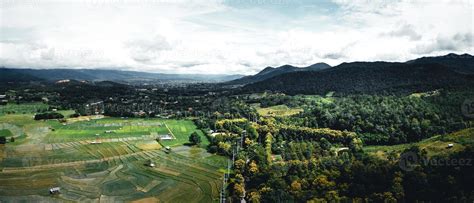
463	63
425	74
388	119
270	72
366	78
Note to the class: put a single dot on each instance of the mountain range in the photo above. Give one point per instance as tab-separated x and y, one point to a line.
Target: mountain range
423	74
26	75
270	72
460	63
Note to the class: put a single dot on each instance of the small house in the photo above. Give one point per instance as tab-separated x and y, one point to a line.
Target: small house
150	163
54	190
341	150
167	149
450	145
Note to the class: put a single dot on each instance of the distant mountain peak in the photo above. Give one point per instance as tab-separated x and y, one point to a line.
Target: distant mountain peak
462	63
287	66
266	70
270	72
319	66
465	55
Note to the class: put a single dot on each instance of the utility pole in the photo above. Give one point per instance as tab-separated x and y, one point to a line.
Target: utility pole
235	150
222	194
244	133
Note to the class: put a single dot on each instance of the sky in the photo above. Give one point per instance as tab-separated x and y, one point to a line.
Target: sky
227	36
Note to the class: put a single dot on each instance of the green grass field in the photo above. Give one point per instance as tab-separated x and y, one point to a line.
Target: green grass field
111	128
278	111
436	145
49	154
29	108
5	133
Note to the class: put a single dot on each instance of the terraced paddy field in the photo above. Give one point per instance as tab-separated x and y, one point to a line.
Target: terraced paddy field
49	154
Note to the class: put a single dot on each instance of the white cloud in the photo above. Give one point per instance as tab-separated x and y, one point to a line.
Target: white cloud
405	30
198	36
457	42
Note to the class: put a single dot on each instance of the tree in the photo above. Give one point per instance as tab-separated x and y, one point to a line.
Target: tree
268	147
356	145
248	142
239	178
325	144
239	189
194	138
252	132
332	196
223	147
397	187
239	165
321	183
49	115
253	168
295	188
254	197
12	139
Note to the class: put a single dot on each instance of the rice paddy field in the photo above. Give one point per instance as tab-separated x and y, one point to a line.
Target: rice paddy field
104	160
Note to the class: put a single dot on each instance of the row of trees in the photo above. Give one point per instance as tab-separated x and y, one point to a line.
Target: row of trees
48	115
290	133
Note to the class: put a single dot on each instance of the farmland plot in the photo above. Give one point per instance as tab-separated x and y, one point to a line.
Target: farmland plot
106	160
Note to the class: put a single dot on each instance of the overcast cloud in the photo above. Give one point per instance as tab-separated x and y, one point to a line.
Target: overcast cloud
225	36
